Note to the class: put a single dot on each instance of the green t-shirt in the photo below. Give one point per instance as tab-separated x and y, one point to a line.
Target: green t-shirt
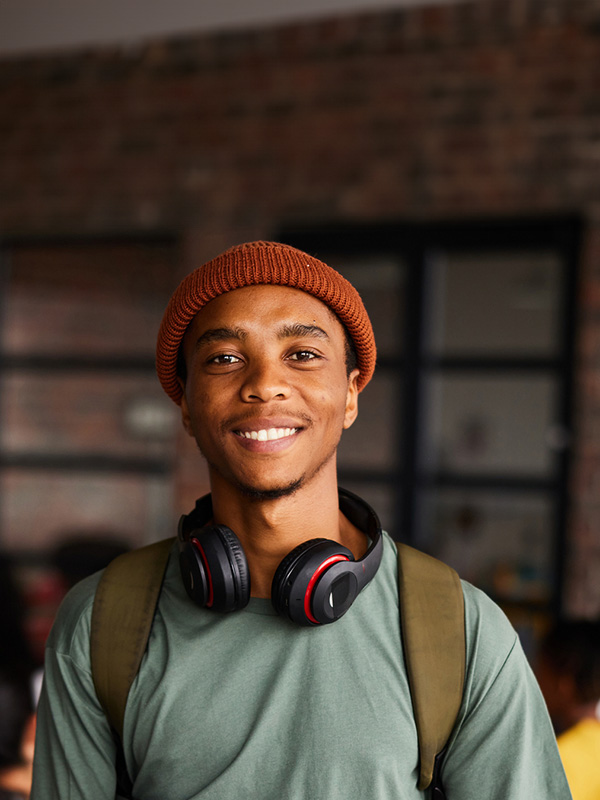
248	705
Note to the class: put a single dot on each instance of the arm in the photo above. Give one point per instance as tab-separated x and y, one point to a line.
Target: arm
74	750
503	747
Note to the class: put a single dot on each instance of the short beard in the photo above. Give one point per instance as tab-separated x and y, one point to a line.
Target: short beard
254	494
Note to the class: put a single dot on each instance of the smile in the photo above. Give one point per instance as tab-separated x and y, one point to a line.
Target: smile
267	434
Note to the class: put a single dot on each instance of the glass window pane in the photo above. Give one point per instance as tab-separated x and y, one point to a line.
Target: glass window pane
372	441
494	304
500	542
123	415
41	508
380	281
488	424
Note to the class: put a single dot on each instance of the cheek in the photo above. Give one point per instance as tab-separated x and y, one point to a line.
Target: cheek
337	408
200	405
204	412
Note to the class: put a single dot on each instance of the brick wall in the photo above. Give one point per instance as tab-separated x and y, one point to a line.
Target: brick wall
480	108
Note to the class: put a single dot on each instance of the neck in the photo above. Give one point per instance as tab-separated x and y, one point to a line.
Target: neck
269	529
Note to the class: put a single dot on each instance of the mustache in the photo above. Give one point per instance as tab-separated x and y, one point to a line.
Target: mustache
240	419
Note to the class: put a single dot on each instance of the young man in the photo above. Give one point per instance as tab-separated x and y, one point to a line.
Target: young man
301	691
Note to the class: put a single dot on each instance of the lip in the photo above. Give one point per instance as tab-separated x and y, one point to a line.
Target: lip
265	423
267	435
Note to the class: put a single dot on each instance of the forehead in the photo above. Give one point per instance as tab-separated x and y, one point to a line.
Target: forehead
263	305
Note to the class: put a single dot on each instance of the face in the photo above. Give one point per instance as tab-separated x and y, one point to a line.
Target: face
267	393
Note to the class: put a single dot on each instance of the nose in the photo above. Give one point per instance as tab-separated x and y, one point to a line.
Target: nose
264	381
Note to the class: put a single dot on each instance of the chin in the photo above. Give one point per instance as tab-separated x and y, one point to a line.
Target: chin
273	493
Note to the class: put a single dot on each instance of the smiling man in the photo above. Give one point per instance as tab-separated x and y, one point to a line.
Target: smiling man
267	397
301	692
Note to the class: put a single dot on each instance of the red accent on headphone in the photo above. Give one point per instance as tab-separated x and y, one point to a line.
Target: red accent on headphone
316	575
211	594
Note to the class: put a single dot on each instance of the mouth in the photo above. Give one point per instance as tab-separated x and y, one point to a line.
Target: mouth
267	434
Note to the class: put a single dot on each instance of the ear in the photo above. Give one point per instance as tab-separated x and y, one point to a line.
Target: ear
185	411
351	399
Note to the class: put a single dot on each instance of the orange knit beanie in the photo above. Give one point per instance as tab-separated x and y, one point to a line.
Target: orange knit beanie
261	263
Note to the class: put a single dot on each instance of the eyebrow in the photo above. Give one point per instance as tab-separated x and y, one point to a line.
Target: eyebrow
220	335
298	329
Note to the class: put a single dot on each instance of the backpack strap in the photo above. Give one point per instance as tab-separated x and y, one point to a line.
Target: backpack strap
122	617
433	634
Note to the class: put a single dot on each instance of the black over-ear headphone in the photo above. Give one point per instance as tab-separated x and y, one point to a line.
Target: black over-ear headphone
314	584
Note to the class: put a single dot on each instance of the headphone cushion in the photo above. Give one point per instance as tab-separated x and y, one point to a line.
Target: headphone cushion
282	573
194	574
214	569
242	580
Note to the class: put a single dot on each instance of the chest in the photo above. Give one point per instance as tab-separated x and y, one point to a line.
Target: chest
225	705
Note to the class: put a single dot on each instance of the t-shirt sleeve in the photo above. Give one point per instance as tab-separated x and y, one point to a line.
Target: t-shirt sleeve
503	746
74	750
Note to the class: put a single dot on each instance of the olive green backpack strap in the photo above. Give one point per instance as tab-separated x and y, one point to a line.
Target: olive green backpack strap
122	617
433	633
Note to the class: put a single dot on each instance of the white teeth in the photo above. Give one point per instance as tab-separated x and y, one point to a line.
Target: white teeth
269	434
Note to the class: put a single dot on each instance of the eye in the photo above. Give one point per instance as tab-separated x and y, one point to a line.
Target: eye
224	359
304	355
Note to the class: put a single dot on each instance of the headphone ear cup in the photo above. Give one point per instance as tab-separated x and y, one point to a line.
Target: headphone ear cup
297	578
214	569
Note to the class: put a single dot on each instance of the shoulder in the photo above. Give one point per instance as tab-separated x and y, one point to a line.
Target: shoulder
495	661
71	629
486	625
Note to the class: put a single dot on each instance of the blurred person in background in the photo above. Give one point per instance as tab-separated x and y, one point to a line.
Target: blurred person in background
569	676
17	667
78	554
17	736
16	655
75	557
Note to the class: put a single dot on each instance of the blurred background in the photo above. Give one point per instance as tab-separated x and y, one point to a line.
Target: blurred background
444	156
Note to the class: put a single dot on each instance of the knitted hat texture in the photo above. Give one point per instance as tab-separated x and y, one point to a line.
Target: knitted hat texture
251	264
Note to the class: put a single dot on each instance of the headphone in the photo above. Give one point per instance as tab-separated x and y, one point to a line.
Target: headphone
315	584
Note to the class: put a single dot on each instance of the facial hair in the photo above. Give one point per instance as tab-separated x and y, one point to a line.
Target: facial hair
256	494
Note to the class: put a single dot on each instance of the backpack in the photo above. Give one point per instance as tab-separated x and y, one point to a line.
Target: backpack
432	624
